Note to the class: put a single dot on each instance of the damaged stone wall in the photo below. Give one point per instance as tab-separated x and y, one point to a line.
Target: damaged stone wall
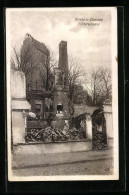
61	92
37	53
63	60
99	130
61	97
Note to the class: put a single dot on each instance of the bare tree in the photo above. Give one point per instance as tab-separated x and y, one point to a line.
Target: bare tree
74	75
92	84
23	60
98	84
105	78
26	61
47	70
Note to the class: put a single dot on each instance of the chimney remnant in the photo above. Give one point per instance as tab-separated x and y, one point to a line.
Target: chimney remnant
63	60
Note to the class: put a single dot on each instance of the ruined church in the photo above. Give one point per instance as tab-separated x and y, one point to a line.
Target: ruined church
52	103
55	119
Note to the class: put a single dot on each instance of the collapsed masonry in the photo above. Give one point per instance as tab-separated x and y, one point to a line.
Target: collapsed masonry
56	121
55	104
61	102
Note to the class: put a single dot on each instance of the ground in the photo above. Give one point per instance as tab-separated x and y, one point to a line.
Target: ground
69	163
98	167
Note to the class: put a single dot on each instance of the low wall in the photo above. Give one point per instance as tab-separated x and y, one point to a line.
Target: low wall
47	148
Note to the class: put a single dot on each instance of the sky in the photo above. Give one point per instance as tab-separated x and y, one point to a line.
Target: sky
90	44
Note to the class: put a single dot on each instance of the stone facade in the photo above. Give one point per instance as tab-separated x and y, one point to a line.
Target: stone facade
37	55
63	60
41	103
36	93
61	99
61	88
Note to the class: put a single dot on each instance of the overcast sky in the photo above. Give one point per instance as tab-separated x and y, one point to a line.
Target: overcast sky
90	44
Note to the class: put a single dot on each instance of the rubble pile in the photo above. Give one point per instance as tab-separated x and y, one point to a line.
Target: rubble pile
99	137
98	141
76	134
50	134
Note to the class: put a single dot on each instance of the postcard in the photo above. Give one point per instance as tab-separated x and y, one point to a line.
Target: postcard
62	94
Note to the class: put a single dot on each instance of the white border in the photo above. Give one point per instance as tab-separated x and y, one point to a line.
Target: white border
114	98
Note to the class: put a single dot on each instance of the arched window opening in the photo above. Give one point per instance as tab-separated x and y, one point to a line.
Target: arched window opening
59	108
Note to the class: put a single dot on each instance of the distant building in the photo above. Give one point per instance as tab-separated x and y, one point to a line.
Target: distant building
81	96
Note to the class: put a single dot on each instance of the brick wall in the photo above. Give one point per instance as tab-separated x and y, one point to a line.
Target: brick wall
61	97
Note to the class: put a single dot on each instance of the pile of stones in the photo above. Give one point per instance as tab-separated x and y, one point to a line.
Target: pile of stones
98	141
50	134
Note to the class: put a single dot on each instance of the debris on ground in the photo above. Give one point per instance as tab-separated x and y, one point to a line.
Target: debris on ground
50	134
99	141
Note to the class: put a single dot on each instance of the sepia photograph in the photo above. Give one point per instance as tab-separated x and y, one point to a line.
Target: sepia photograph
62	94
